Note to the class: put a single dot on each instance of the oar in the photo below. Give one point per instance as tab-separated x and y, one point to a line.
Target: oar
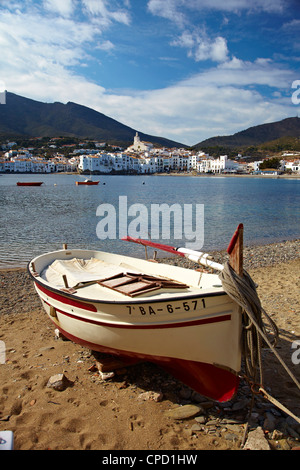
196	256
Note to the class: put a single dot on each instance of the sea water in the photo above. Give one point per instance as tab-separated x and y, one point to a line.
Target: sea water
34	220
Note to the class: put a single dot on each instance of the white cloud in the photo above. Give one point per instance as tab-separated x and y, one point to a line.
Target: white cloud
292	25
241	73
35	43
38	44
200	47
105	46
215	50
170	8
102	9
219	50
37	53
167	9
64	8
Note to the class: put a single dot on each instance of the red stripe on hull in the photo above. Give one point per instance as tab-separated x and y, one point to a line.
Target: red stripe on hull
208	380
67	300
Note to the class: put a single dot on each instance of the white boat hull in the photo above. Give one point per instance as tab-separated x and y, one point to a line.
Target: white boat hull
194	333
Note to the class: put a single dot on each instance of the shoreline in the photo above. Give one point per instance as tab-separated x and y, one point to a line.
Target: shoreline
288	249
224	175
206	175
131	410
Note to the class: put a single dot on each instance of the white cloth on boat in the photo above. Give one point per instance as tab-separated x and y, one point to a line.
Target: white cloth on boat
79	270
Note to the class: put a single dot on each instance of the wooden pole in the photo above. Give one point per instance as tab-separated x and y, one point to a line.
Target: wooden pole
65	281
196	256
235	250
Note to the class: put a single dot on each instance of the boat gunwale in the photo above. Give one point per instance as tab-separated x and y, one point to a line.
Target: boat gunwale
123	302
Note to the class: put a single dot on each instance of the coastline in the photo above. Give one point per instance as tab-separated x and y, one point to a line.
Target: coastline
193	174
230	175
254	255
128	411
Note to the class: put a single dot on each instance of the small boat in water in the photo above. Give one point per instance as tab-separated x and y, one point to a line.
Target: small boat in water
87	182
181	319
30	183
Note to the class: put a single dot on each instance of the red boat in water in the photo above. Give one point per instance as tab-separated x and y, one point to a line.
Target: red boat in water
87	182
32	183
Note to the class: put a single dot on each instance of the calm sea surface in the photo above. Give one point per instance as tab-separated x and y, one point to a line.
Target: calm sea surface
35	220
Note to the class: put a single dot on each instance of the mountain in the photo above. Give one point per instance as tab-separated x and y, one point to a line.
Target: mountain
256	135
29	118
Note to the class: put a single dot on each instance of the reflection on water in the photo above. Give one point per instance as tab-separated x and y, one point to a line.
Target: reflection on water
39	219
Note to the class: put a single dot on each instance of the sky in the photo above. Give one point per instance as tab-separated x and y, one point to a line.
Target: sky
186	70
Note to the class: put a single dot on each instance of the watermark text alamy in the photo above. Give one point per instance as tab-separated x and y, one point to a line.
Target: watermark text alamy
183	222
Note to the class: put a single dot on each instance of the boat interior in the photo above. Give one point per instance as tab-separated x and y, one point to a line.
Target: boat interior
95	274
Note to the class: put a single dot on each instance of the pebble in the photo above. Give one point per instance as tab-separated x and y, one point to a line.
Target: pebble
270	422
200	419
106	375
152	396
196	427
240	405
59	382
184	412
256	440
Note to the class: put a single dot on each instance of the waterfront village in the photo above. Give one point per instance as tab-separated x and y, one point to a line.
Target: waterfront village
139	158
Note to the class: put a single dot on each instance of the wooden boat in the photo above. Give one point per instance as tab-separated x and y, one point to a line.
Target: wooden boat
87	182
178	318
30	183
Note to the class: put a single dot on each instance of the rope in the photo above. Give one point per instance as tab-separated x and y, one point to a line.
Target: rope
242	290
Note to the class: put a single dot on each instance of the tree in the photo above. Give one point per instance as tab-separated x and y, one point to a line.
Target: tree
270	163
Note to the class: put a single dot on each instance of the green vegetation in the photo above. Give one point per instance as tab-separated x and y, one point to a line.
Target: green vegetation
272	137
24	118
282	144
273	163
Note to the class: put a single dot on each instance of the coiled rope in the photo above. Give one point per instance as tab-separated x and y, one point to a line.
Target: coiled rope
242	290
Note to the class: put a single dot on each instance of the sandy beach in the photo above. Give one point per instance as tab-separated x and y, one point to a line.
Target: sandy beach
131	409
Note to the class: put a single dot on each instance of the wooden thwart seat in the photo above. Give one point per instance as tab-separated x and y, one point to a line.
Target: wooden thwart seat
134	284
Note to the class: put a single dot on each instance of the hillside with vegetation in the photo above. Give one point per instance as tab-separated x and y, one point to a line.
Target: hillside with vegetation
273	137
29	118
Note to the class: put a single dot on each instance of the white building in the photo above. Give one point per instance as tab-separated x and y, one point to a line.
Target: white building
217	165
6	166
254	166
28	166
95	163
17	154
292	165
108	162
139	146
152	162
